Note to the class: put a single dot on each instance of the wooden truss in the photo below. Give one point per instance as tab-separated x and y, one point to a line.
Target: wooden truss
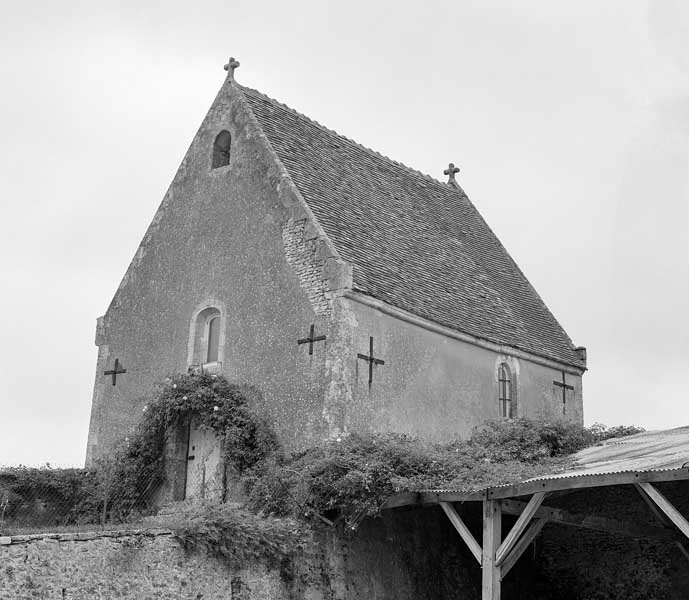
497	555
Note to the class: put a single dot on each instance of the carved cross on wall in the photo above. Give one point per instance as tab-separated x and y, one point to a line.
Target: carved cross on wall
371	361
564	387
311	339
116	371
451	171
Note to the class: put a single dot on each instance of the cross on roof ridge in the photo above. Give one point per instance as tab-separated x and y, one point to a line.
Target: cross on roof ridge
231	65
450	172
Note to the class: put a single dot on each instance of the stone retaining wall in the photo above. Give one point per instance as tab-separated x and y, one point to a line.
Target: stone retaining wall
136	565
407	554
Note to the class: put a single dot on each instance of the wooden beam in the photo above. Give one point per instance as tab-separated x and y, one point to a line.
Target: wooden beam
519	527
492	534
659	514
662	518
683	550
664	504
570	483
528	488
557	515
463	530
523	543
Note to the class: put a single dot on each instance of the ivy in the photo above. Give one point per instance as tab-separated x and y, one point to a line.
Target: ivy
137	468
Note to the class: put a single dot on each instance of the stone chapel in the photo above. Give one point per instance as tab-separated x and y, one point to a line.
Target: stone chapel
355	293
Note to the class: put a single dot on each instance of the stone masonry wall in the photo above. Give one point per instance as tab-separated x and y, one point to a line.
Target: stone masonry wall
406	554
301	254
580	564
126	565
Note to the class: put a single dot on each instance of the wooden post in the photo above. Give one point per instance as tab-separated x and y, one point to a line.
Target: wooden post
492	537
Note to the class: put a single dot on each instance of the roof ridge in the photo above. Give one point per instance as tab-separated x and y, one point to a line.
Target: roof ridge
358	144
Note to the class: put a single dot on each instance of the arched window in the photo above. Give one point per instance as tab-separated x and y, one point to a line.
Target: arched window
505	392
213	336
206	339
221	150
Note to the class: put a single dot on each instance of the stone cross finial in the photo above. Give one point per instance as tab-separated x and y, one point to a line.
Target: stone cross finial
450	172
231	66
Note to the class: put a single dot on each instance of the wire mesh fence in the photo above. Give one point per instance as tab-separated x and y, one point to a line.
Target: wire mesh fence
45	499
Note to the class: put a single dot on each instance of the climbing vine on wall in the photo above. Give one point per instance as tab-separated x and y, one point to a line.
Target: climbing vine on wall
218	405
138	467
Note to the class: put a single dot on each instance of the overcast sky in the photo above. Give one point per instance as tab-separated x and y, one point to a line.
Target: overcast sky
569	120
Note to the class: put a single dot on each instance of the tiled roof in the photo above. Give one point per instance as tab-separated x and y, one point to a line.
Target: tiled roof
415	243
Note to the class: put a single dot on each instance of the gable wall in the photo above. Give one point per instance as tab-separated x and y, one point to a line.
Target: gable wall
234	237
439	387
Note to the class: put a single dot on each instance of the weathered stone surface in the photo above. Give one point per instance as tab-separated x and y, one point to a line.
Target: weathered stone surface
240	240
405	555
440	388
402	556
135	567
217	238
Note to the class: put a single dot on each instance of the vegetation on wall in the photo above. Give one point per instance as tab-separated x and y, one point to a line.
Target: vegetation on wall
49	497
351	478
341	481
124	484
138	467
347	479
234	534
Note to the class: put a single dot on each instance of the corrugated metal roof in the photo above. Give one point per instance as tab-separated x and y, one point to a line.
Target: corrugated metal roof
649	451
649	456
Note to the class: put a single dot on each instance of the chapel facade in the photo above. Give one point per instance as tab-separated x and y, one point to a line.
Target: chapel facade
355	293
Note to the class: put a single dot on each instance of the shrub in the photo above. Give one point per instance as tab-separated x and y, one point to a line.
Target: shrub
530	440
232	533
600	432
39	496
352	478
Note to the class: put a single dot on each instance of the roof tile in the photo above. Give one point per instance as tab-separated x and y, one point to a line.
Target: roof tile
415	243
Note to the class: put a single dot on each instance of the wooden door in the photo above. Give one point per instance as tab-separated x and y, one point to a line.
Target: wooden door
204	469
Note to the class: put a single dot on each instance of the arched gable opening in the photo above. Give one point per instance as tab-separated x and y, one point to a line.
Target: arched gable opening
221	150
